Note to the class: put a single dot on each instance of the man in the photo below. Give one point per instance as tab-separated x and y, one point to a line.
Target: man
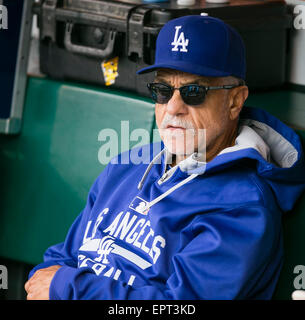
203	219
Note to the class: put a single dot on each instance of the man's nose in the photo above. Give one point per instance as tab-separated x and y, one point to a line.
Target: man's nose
176	105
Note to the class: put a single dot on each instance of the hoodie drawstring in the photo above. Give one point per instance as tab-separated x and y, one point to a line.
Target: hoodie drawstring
140	185
172	189
169	191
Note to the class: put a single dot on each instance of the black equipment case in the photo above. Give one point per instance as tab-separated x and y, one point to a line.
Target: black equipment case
106	42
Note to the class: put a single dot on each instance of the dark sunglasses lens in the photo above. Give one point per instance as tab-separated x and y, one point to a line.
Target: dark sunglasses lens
192	94
160	93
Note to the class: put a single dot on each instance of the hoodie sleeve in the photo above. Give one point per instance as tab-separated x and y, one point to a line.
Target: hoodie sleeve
228	255
65	253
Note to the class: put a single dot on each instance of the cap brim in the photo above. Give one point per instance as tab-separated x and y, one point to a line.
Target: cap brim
186	67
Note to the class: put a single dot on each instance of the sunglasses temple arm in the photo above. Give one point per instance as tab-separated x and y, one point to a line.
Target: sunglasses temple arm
222	87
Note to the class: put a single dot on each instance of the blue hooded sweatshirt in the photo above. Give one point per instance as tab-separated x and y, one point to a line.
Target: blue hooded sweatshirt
195	231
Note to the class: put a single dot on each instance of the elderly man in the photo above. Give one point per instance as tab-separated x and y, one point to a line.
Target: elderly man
203	219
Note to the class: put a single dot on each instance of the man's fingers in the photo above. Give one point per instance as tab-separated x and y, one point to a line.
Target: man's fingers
27	285
30	281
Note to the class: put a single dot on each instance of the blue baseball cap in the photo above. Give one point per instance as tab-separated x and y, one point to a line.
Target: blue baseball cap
200	45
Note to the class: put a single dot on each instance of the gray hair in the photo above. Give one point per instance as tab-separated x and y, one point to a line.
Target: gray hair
234	81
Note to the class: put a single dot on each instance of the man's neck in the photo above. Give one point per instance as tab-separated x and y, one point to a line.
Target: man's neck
177	159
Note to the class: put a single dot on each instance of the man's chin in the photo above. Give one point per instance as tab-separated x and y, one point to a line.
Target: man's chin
180	150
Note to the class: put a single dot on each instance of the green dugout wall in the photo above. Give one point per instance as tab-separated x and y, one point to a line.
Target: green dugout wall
47	170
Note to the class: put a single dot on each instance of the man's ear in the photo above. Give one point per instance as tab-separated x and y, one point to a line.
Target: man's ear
237	99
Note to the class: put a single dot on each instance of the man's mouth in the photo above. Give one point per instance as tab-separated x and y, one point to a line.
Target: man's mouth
172	128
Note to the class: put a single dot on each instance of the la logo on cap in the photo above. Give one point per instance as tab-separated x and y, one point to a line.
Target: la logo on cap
179	40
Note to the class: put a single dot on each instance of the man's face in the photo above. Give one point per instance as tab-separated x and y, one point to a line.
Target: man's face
180	125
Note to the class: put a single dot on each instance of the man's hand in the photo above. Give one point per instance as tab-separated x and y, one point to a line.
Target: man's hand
37	287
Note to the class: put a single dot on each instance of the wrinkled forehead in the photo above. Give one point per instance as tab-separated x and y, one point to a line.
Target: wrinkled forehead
167	74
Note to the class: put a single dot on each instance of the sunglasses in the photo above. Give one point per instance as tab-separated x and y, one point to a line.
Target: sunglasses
191	94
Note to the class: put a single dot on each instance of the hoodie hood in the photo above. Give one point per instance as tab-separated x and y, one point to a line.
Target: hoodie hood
284	169
274	146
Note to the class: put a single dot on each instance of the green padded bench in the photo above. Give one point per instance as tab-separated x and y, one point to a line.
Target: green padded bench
47	170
